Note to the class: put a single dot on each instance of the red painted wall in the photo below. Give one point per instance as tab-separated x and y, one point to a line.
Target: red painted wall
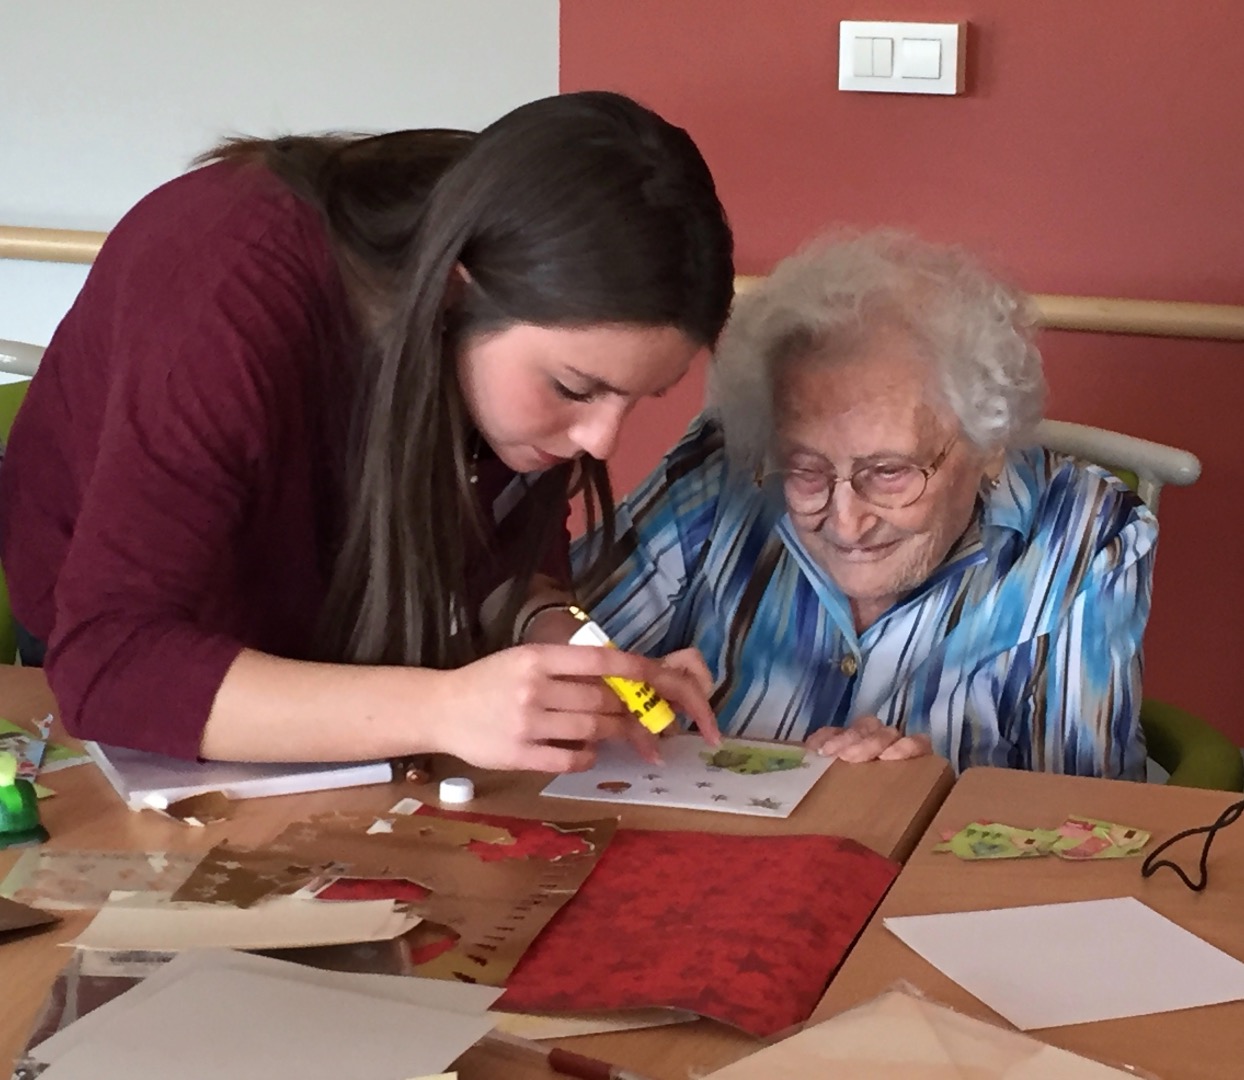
1099	150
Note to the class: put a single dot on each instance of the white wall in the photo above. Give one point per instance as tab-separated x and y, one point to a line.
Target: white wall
103	100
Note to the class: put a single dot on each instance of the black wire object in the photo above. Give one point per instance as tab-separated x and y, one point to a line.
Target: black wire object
1152	863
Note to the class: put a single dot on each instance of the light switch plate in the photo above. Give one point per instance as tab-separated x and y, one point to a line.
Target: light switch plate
928	58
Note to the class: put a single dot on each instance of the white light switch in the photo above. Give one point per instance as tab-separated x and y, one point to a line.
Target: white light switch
922	58
862	56
883	57
901	58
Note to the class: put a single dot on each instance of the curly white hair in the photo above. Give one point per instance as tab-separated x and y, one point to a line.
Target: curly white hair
829	301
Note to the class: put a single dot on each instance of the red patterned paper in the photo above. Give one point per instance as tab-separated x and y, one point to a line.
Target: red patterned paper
742	929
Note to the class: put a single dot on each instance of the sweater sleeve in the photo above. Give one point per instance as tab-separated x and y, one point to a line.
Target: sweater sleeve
208	383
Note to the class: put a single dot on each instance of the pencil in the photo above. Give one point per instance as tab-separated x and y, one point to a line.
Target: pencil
566	1062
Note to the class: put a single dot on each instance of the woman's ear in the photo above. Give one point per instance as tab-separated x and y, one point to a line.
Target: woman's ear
459	279
993	467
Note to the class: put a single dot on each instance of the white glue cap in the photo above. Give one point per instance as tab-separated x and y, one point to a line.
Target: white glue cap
457	789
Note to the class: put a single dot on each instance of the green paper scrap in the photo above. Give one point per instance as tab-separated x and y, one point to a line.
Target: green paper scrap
753	760
55	755
993	840
1078	839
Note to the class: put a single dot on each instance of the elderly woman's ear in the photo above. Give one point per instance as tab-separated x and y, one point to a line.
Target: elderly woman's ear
992	470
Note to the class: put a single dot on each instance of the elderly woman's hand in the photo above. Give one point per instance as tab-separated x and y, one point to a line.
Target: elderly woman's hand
868	739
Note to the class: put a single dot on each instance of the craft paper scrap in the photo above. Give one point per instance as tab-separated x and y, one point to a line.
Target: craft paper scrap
198	811
75	880
1078	838
27	748
740	777
309	1031
432	993
900	1035
55	756
1087	838
1052	964
152	922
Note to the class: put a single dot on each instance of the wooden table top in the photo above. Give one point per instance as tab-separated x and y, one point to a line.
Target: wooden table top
1205	1043
885	806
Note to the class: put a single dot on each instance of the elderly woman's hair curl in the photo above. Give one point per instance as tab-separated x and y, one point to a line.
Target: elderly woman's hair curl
831	300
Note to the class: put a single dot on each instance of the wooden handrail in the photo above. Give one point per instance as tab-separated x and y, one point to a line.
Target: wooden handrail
49	245
1103	314
1160	318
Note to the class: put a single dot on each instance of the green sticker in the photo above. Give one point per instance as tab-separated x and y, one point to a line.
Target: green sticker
753	760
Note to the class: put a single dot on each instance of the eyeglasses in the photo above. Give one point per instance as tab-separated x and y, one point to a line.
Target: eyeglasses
890	485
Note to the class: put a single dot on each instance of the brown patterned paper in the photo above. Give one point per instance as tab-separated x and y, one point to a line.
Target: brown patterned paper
242	877
494	882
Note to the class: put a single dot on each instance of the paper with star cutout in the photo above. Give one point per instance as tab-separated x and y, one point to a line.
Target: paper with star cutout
742	776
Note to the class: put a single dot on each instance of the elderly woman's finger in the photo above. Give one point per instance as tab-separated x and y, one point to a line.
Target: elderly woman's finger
870	747
867	725
910	746
829	741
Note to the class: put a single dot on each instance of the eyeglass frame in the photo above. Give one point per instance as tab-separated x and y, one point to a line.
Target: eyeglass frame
926	471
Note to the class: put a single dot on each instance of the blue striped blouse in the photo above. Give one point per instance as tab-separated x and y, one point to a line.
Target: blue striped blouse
1022	649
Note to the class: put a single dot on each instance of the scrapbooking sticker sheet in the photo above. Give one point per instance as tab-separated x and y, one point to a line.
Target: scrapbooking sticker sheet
739	777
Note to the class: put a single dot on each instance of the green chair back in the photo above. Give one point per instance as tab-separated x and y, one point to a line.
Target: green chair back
11	397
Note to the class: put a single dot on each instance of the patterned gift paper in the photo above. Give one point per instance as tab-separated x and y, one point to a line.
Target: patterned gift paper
743	929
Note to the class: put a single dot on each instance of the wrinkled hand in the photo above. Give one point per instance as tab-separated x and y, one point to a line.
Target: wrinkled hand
868	739
544	707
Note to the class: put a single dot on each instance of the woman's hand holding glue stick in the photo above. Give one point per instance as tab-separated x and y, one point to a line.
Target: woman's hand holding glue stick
640	698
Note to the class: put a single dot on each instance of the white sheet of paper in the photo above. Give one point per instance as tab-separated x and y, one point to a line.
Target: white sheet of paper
249	1026
439	994
147	921
1054	964
685	781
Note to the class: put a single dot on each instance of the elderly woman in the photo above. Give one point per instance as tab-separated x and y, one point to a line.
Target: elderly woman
865	545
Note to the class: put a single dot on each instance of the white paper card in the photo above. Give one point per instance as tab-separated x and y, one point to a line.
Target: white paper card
247	1026
687	781
1054	964
437	994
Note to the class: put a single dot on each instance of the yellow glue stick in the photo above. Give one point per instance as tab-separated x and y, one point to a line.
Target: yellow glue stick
646	705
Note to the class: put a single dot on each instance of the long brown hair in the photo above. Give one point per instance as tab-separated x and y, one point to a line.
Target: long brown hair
578	210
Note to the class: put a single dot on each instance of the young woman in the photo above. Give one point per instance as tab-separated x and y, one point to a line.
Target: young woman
296	466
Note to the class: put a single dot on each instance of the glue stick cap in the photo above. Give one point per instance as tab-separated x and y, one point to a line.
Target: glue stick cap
457	789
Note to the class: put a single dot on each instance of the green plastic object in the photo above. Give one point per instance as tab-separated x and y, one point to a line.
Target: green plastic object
11	397
19	807
1191	750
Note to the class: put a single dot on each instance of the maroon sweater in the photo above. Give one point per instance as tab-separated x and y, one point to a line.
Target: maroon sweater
171	489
